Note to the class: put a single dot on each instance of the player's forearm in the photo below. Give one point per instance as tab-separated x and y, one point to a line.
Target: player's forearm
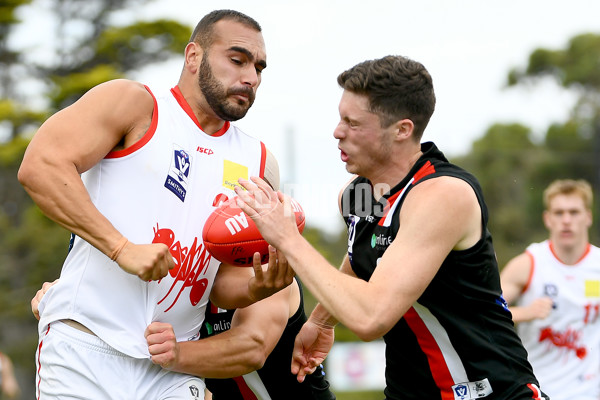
61	195
322	317
346	298
521	314
225	355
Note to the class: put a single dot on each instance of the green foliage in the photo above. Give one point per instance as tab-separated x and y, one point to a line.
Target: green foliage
32	247
135	45
67	89
576	66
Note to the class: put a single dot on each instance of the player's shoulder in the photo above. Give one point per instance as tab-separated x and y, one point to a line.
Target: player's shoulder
443	191
126	92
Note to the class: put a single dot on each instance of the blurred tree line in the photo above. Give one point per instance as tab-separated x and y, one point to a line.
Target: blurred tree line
512	166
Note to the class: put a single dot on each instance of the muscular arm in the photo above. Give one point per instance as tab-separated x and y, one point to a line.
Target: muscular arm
255	330
514	278
73	140
428	232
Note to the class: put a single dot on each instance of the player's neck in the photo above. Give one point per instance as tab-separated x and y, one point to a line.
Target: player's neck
570	255
391	174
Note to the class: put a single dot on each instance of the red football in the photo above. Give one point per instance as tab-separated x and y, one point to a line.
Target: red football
231	236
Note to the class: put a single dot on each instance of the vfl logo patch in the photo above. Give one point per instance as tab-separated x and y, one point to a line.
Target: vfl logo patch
195	392
177	179
472	390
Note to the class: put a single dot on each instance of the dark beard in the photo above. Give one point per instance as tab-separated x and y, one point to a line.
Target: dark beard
216	95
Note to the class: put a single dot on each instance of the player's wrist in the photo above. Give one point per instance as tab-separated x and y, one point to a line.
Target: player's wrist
118	248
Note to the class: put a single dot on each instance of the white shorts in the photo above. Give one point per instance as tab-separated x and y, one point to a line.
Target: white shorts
72	364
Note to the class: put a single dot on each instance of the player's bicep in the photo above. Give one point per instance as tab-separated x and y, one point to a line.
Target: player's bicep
428	232
84	132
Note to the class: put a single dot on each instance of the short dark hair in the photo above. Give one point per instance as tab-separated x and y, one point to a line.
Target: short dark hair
203	33
397	88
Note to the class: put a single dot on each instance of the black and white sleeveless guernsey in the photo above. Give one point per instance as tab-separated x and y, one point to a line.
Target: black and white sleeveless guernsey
274	381
458	340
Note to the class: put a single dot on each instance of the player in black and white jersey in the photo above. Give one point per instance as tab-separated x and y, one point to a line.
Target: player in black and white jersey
421	270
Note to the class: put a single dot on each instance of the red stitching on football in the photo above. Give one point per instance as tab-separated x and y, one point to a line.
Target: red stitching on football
231	236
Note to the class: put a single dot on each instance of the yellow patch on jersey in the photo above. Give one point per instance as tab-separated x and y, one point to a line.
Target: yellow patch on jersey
592	288
232	172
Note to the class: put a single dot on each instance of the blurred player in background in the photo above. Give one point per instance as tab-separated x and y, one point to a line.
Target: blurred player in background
134	176
421	269
553	290
9	387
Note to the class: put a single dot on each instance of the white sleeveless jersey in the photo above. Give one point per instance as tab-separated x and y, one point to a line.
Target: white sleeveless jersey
162	189
564	348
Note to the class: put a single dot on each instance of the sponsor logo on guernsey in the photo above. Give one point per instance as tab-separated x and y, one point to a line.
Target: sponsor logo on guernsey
472	390
232	172
380	241
592	288
205	150
177	180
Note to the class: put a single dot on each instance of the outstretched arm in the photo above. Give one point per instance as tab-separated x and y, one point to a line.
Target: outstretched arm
428	233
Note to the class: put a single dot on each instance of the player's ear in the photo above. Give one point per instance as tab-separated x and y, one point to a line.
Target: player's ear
404	128
193	57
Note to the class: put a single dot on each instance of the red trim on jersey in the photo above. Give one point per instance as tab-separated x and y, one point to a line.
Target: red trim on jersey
530	277
246	392
426	169
437	363
188	110
40	364
588	248
145	139
537	393
263	159
388	206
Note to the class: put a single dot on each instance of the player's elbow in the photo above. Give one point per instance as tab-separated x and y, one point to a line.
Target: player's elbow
257	354
256	360
25	174
370	330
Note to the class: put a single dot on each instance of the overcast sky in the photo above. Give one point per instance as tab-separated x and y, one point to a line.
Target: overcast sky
468	46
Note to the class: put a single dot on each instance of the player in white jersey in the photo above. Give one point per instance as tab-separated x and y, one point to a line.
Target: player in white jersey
554	292
134	175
